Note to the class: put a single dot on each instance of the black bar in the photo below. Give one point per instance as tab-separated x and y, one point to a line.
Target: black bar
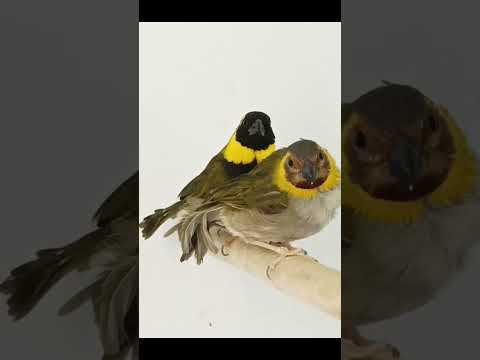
326	11
326	348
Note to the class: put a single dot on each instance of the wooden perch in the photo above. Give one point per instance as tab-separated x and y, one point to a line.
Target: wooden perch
299	276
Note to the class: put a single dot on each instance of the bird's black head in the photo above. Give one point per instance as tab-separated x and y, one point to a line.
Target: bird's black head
255	131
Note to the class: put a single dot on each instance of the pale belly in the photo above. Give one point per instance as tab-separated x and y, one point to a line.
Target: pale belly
303	218
390	270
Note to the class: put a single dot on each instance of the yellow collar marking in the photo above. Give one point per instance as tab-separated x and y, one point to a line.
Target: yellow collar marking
459	182
239	154
263	154
332	181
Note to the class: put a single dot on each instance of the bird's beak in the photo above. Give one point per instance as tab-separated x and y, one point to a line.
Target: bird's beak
257	127
406	165
310	172
262	130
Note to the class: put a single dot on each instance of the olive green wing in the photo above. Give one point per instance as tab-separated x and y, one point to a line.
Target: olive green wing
254	190
212	176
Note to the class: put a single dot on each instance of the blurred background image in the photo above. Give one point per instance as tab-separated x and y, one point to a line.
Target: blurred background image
428	48
70	137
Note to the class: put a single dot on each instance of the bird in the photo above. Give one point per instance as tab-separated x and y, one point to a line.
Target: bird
251	143
291	195
111	247
410	203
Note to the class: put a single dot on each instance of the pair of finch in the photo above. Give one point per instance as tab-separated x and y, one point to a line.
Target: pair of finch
260	195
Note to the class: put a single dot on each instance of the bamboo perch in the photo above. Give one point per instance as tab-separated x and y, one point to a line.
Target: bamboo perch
300	276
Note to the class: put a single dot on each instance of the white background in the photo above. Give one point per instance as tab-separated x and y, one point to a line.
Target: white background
197	80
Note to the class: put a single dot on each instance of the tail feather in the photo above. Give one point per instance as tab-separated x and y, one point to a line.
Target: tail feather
188	249
79	298
28	283
192	230
195	237
200	251
114	295
152	222
172	230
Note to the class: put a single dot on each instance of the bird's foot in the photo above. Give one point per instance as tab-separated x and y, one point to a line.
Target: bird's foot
284	250
218	234
290	250
370	351
225	245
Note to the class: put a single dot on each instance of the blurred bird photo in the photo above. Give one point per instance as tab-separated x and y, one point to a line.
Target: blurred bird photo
410	205
111	251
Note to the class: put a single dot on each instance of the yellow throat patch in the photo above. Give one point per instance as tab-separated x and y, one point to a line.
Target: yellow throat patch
238	154
460	181
332	181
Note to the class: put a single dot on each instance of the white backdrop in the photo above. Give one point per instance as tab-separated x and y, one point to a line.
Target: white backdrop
197	80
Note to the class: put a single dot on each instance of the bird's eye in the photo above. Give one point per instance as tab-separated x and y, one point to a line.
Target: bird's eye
320	155
360	140
290	162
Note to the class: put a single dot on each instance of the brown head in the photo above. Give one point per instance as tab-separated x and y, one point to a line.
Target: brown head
307	165
398	146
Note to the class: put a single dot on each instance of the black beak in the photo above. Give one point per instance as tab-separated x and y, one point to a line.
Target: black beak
257	127
406	164
310	172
